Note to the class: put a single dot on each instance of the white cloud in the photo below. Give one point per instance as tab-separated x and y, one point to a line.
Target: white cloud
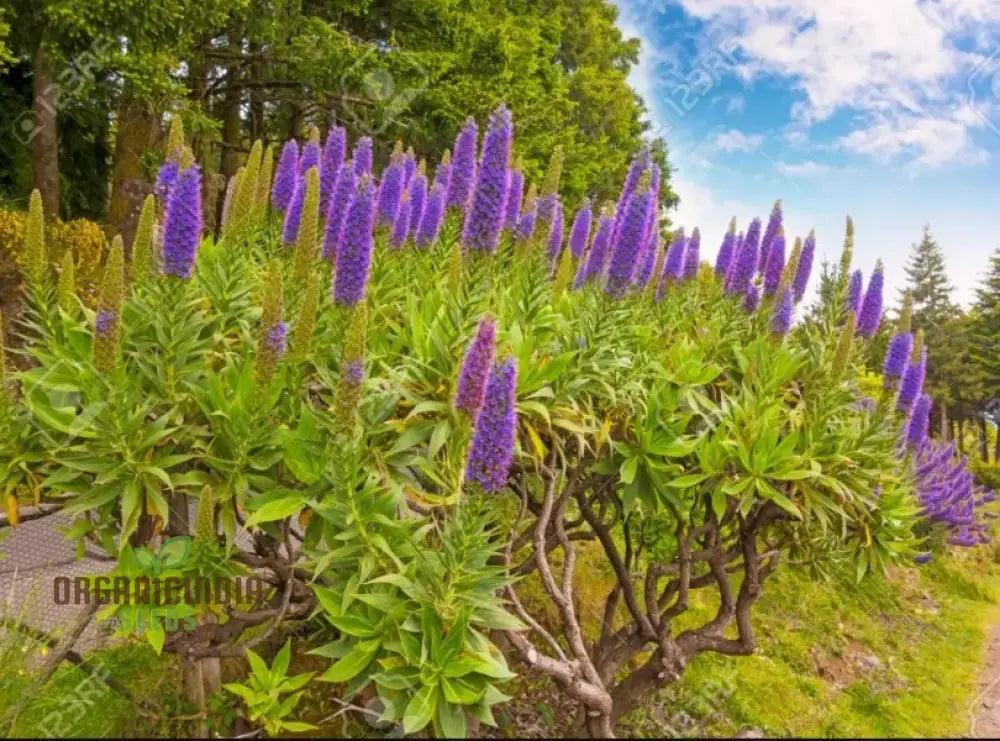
801	169
736	141
736	104
896	63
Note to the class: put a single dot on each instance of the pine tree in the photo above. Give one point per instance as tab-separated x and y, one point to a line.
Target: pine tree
985	344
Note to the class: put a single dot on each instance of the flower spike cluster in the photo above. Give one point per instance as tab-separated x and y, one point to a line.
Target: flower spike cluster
492	449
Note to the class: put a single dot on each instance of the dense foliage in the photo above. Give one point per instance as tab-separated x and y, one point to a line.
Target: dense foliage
425	419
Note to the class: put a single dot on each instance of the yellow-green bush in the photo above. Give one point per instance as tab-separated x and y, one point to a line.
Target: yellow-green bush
85	238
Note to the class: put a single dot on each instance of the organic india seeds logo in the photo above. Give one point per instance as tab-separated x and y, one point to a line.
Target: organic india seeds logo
160	590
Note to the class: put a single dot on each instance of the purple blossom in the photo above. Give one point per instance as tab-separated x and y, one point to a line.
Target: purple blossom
871	308
485	217
515	194
640	163
692	255
310	157
774	264
751	299
418	197
104	321
897	357
346	183
673	265
390	191
724	259
492	448
355	257
409	167
781	320
745	264
401	227
442	177
476	368
334	155
362	156
854	292
770	232
526	224
913	383
353	372
276	338
286	176
555	238
922	558
627	243
593	266
916	428
166	178
648	264
463	166
430	222
804	267
182	224
579	233
293	216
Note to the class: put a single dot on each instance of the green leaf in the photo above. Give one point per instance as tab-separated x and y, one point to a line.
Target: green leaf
451	719
353	664
420	709
175	551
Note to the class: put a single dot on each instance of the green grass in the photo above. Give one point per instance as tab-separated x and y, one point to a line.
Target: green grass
926	627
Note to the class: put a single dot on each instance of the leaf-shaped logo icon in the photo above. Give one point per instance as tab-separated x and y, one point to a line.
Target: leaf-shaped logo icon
175	551
147	559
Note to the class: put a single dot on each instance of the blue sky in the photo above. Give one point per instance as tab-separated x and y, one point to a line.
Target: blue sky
887	110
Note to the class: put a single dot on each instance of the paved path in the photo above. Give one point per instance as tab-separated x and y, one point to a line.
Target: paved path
985	710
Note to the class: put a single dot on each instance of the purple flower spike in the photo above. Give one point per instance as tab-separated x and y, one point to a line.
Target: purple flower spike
673	265
442	177
692	255
781	321
775	264
640	163
334	154
751	299
871	308
418	197
355	258
286	177
485	217
854	292
476	369
515	194
492	448
166	178
627	243
526	225
362	156
463	166
594	265
804	268
401	227
745	264
922	558
648	264
916	428
182	224
310	156
724	259
579	234
897	357
913	383
555	238
409	167
773	226
430	222
346	183
293	216
390	192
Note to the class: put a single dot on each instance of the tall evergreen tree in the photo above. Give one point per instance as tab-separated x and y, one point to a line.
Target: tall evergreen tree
985	339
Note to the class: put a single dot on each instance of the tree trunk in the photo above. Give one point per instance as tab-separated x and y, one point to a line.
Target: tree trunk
137	132
44	137
231	119
984	441
944	423
958	430
256	100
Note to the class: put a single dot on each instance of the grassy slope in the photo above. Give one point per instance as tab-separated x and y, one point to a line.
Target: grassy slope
813	674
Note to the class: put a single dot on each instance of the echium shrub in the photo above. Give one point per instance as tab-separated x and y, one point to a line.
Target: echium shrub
426	440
